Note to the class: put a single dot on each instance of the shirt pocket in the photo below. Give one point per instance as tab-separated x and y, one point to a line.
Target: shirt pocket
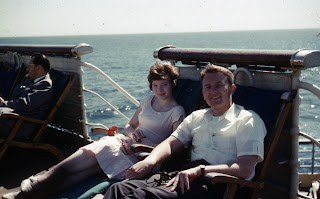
222	143
200	139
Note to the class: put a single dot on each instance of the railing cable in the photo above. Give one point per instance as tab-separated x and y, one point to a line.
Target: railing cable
113	83
114	108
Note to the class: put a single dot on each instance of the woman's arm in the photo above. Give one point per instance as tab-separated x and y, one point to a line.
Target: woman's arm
130	128
177	123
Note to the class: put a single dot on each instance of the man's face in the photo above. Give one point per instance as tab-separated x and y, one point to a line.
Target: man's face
32	69
217	92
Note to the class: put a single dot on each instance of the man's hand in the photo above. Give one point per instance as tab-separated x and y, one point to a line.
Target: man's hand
139	170
158	154
184	178
1	99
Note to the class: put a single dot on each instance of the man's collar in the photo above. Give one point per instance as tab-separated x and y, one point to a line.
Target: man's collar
38	79
229	114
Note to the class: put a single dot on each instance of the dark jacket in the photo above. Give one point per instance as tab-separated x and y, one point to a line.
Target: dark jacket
31	100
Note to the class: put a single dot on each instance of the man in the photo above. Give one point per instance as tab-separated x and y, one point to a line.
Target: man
225	137
33	98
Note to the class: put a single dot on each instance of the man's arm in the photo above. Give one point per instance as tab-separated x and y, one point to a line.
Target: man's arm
28	101
242	168
162	152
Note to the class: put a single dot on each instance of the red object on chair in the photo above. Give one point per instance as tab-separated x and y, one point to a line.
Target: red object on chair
112	131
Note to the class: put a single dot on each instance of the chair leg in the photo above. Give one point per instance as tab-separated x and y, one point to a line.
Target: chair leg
40	132
255	193
10	137
230	191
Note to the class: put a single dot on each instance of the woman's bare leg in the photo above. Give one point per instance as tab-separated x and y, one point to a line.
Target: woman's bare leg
78	178
74	169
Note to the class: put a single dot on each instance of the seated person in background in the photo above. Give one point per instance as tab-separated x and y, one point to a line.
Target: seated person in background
225	138
155	119
32	100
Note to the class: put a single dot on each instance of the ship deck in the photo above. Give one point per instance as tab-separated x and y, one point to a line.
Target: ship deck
18	164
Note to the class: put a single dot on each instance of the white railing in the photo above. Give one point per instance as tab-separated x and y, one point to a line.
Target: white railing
115	85
114	108
313	158
310	140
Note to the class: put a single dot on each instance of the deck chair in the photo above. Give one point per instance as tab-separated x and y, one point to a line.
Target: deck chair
61	84
274	115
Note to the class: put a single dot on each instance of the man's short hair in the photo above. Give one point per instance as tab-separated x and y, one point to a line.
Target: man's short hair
42	60
211	68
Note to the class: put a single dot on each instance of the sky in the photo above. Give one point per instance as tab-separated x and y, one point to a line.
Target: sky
95	17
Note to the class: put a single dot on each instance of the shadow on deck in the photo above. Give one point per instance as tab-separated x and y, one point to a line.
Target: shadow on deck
18	163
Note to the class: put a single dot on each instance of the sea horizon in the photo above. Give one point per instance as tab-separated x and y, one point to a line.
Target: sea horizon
116	34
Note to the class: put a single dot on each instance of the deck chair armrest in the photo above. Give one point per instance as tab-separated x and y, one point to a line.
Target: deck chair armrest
142	147
141	156
229	179
17	116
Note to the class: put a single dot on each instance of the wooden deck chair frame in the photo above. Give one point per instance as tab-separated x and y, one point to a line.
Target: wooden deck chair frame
35	144
233	183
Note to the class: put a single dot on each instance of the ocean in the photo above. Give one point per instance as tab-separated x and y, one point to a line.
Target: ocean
127	58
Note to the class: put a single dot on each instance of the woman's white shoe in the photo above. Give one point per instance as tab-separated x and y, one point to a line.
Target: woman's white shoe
28	184
11	195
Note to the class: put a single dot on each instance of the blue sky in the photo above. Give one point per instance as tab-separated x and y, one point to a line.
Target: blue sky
90	17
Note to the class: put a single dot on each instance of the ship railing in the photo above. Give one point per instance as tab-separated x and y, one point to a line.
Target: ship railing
115	85
315	149
309	139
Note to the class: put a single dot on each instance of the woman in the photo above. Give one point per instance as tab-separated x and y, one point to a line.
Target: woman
155	119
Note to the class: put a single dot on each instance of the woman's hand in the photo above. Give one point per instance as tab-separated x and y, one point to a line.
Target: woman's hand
138	135
184	178
127	143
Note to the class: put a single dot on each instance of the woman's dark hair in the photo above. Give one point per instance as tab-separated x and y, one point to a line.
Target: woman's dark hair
163	70
42	60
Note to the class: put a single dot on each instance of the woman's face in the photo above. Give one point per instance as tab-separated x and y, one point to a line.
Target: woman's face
162	89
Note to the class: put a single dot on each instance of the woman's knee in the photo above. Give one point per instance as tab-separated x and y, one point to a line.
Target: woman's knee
80	160
60	172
